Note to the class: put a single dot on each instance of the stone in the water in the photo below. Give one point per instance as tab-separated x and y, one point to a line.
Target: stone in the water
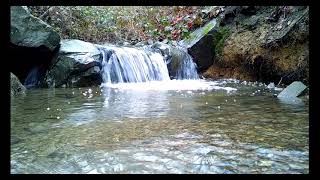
291	100
271	86
77	65
293	90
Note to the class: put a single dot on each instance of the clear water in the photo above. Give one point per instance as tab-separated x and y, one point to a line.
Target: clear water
126	129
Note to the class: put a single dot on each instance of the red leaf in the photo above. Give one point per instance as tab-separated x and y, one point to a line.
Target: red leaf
189	24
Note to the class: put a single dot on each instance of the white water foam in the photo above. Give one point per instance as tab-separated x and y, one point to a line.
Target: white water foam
171	85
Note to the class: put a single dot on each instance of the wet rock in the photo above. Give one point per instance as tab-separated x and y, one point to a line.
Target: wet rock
78	65
16	87
164	49
293	90
202	51
200	45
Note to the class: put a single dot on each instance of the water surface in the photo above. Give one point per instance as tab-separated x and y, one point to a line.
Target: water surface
168	128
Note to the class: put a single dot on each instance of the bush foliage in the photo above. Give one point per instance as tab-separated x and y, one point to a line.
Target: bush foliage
116	24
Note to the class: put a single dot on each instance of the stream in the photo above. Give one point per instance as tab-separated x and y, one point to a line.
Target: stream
175	126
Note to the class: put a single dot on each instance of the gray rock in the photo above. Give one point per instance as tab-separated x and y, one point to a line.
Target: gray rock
200	45
29	31
78	65
293	90
291	100
16	86
78	46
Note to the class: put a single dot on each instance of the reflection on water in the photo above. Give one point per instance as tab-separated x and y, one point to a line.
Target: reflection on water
118	130
136	104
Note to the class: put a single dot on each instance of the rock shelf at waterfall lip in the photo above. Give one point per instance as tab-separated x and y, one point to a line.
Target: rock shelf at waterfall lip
171	85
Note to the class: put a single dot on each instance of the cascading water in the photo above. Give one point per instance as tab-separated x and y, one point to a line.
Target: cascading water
132	65
32	78
187	68
146	68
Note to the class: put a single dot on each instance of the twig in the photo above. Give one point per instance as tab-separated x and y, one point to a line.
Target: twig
279	82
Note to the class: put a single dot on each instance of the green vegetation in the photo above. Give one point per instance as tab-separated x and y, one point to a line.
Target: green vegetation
122	23
219	38
206	29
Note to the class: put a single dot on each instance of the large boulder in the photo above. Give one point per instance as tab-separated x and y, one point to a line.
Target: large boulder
16	86
33	43
200	45
203	51
78	65
29	31
293	90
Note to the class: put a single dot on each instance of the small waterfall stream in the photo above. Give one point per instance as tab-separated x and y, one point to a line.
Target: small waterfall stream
188	68
133	65
32	78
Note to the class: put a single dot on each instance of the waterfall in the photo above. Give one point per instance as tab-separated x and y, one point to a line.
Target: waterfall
187	68
32	78
133	65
